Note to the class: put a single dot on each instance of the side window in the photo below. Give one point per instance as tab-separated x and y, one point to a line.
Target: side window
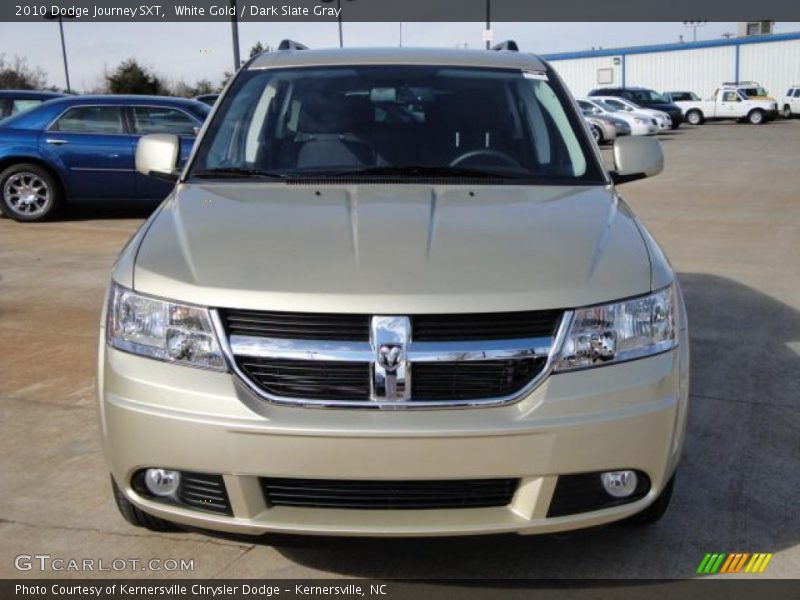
797	93
730	97
161	119
18	106
91	119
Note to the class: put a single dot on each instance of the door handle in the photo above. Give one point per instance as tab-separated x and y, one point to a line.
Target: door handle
55	141
113	156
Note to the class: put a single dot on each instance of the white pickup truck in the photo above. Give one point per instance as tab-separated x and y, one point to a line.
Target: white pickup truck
729	103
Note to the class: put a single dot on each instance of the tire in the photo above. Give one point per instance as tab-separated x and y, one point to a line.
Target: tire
656	510
29	192
137	517
597	134
756	117
694	117
787	112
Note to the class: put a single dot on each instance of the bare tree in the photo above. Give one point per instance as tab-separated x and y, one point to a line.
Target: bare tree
16	74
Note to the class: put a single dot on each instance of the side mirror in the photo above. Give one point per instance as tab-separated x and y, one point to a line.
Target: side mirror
636	158
157	155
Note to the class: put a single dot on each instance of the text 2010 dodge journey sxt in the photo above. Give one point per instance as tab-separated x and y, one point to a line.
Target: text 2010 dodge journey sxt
394	292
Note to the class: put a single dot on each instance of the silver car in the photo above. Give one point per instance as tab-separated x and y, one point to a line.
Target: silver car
394	292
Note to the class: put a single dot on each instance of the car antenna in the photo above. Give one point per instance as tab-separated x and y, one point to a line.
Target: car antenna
508	45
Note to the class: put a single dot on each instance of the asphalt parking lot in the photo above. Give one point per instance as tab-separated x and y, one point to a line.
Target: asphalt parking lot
727	212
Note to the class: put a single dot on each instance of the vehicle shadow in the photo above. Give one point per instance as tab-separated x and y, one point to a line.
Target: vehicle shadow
97	210
736	486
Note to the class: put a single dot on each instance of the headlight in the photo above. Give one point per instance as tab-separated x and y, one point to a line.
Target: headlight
163	330
613	333
641	120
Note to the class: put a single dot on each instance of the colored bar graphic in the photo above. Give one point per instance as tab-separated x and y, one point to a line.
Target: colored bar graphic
720	562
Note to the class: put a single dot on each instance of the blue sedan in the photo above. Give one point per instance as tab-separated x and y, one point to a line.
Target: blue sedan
84	147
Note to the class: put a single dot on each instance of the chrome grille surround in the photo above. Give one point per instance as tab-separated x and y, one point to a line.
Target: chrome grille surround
397	379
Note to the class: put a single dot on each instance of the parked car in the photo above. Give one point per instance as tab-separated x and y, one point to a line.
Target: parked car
729	103
639	123
425	244
603	131
209	99
13	102
790	103
83	147
663	120
646	98
680	96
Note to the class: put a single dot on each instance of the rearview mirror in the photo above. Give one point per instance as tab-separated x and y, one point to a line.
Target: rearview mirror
157	156
636	158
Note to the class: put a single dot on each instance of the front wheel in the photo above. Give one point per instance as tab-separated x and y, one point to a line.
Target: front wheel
787	112
656	510
137	517
29	192
597	134
756	117
695	117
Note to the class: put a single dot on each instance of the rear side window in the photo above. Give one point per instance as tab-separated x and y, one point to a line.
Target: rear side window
161	119
797	93
91	119
18	106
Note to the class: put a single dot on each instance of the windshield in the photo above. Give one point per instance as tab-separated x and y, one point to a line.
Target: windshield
396	120
607	105
647	97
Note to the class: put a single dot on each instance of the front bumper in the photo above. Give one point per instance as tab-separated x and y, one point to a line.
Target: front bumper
627	416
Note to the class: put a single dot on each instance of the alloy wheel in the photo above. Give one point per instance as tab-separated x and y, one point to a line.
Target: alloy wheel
26	194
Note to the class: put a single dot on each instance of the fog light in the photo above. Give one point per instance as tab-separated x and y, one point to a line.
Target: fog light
162	482
619	484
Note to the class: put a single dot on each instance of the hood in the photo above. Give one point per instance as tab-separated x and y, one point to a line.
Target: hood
392	249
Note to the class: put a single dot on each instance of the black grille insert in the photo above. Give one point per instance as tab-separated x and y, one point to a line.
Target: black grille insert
583	492
297	326
485	326
470	380
204	491
312	379
334	493
425	328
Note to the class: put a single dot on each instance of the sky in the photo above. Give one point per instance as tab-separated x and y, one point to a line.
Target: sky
192	51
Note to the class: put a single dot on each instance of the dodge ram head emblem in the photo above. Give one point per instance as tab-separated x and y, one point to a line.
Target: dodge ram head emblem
389	337
389	356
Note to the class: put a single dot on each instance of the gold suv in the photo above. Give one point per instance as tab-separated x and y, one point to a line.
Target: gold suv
394	292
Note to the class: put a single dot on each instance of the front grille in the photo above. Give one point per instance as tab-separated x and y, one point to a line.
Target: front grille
296	326
402	495
204	491
583	492
472	380
312	379
485	326
331	359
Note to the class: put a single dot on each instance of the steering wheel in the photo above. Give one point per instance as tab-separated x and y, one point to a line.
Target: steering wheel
485	152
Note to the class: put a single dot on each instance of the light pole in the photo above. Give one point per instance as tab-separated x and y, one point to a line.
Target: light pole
52	16
237	62
488	22
338	18
694	25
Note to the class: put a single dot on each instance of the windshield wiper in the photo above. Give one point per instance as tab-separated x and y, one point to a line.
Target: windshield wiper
413	171
237	172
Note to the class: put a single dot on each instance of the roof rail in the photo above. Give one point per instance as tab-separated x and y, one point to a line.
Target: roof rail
291	45
741	83
509	45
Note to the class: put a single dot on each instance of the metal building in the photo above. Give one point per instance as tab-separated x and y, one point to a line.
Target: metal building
771	60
